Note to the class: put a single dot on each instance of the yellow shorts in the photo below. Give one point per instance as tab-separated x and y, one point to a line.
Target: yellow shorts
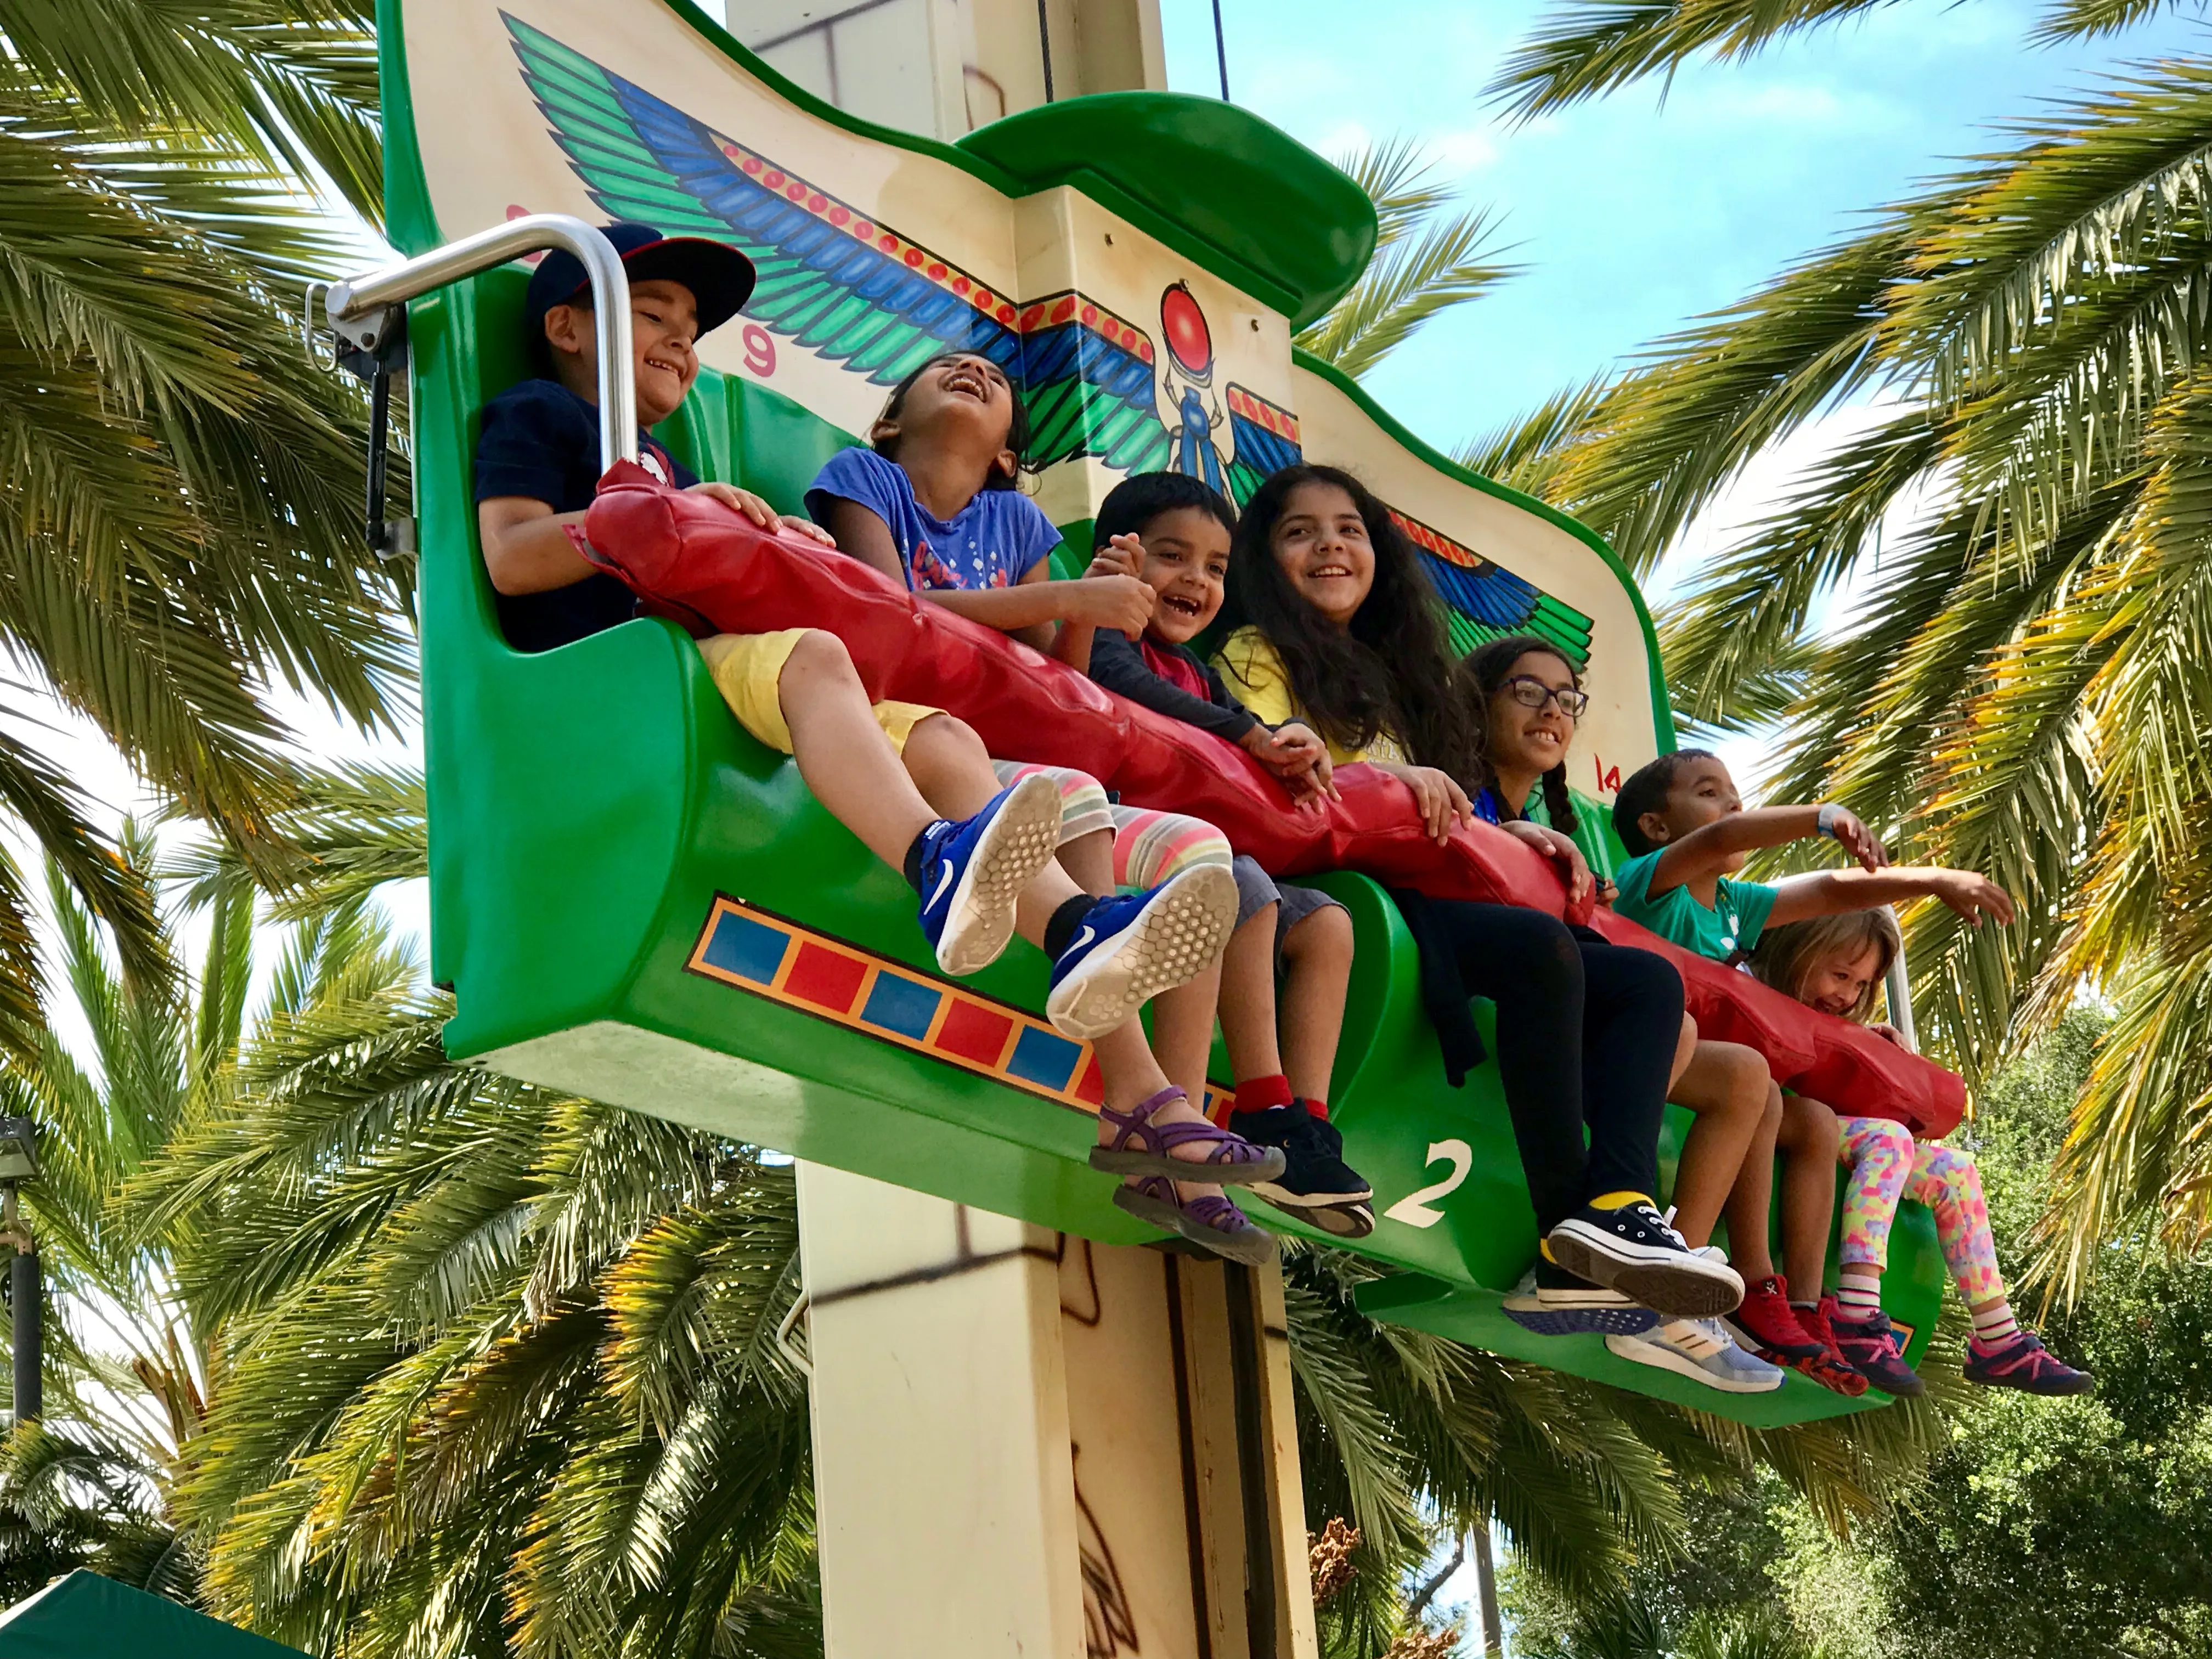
746	670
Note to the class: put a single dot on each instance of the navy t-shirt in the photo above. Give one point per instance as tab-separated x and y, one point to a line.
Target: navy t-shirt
542	440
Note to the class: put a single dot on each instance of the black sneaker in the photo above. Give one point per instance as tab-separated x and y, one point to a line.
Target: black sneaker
1553	1302
1315	1175
1632	1250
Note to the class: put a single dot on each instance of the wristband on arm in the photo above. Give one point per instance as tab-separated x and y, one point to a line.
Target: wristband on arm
1829	813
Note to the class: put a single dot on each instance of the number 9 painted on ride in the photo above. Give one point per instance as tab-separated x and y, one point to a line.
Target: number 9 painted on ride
759	350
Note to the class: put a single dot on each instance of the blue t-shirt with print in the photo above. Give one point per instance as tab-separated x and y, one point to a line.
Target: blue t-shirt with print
994	541
1732	926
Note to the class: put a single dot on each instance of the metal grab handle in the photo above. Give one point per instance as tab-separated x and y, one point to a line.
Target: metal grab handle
1900	987
391	285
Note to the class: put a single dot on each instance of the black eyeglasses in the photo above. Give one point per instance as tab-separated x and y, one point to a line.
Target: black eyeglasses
1532	693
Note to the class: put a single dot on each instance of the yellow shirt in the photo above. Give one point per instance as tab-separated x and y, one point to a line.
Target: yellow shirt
1252	671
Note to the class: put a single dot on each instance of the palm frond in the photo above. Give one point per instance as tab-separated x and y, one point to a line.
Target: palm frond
1584	47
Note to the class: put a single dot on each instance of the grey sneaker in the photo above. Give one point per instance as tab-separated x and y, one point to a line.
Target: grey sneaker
1701	1350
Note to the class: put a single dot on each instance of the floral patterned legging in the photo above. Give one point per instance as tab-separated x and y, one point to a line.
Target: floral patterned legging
1887	1164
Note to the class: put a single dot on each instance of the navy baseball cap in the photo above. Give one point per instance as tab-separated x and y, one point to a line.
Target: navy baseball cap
720	278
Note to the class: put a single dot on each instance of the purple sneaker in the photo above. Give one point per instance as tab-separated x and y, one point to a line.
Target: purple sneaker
2024	1363
1870	1346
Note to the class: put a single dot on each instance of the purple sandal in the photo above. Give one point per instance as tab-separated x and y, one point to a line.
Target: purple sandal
1213	1223
1233	1162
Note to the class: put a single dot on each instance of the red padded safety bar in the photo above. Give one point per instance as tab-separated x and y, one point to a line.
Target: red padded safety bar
691	558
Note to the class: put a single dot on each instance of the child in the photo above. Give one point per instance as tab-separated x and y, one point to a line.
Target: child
912	783
1172	532
1686	827
1530	699
1835	964
934	502
1340	629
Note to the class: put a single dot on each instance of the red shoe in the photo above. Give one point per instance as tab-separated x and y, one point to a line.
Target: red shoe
1831	1371
1765	1323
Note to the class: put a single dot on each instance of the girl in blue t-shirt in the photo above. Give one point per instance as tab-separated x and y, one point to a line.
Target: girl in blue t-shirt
934	504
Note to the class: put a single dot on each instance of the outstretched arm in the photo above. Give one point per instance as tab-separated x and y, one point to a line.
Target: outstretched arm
1832	892
1706	851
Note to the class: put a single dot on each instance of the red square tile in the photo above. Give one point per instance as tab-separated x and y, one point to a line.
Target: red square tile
1090	1087
974	1032
825	979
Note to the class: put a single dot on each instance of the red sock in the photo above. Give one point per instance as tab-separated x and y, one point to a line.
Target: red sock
1318	1108
1258	1094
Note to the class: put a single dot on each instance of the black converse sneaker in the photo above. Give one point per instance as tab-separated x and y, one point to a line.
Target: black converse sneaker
1316	1185
1553	1302
1632	1250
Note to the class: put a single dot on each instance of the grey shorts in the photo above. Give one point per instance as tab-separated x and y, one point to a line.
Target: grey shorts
1256	889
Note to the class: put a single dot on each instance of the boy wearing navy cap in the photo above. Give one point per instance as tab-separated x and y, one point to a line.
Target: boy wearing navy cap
885	770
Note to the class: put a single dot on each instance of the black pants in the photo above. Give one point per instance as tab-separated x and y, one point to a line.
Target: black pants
1586	1037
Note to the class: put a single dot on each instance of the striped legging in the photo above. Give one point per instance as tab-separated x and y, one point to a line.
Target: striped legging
1148	846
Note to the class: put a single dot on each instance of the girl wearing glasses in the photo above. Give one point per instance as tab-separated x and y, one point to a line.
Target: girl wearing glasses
1337	626
1529	699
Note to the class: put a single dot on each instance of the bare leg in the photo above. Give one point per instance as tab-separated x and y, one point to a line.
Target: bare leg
1751	1201
1247	999
1317	974
1131	1075
1089	861
1685	1049
1183	1030
1808	1142
842	753
1726	1085
949	764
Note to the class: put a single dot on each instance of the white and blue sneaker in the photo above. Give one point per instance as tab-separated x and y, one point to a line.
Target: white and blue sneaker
973	871
1702	1351
1127	949
1553	1302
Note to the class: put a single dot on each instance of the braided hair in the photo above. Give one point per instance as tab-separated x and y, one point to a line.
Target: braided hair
1486	669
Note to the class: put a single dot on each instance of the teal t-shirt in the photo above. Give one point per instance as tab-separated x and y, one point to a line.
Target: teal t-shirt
1736	919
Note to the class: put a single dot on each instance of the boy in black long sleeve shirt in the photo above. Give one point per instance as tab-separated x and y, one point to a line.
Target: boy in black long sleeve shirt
1172	533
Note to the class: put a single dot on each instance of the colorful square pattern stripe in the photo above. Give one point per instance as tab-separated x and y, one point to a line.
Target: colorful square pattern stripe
759	952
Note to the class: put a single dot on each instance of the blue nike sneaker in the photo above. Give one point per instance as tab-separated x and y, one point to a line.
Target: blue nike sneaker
973	871
1129	949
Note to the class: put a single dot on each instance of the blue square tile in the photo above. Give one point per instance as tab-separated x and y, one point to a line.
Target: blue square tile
902	1005
1043	1057
749	948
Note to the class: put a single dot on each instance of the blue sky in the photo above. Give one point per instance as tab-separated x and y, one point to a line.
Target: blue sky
1633	214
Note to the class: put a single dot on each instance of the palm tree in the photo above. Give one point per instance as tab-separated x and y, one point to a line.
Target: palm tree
127	1366
1427	259
2022	687
183	487
494	1359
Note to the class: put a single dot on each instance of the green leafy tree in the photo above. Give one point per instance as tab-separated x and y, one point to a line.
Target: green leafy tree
2075	1528
466	1325
2021	686
183	484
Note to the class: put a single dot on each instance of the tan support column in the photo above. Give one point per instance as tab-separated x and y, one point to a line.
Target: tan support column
1027	1444
947	67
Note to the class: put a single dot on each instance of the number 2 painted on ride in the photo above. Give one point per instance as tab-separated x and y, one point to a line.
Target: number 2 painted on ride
1414	1208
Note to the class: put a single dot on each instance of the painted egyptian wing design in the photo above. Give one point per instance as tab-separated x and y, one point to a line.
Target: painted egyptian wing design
1263	439
835	281
1486	601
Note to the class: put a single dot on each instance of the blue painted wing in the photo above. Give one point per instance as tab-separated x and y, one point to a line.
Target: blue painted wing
834	281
